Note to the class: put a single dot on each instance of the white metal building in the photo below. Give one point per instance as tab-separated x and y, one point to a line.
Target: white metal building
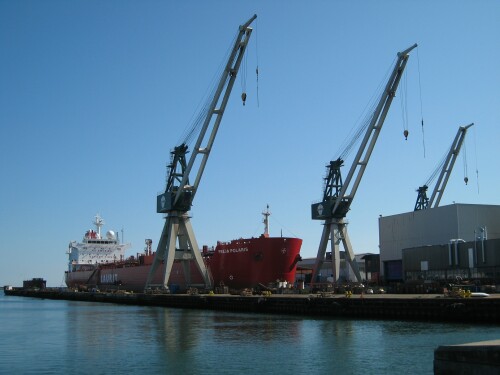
433	226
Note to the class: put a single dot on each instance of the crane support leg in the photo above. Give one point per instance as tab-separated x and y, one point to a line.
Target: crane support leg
350	258
184	255
335	251
167	242
336	232
195	250
172	224
320	258
178	228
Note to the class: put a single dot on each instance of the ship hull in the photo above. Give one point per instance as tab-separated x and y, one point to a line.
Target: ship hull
244	263
249	263
133	277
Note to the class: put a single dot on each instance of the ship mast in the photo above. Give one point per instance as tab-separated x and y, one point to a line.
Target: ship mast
266	214
98	222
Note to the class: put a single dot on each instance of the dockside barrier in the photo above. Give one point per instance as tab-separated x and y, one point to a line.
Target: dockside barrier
482	358
392	307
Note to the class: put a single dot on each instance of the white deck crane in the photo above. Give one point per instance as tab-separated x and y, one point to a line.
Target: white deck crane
336	201
446	166
177	199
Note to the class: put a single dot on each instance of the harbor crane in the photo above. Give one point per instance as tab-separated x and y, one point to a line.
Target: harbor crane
179	193
446	166
336	200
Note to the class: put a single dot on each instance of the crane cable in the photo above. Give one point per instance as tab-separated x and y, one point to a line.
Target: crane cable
434	173
257	57
363	122
475	151
464	156
200	113
243	78
421	106
404	104
245	65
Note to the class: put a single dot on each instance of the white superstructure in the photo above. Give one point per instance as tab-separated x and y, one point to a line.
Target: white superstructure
94	249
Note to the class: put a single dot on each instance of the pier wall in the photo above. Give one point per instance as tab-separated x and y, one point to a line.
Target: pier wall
393	307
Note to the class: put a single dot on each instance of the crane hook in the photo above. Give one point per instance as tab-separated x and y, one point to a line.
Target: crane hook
466	180
405	133
244	97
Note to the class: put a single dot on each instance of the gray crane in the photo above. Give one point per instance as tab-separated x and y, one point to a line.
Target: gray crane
179	193
446	166
336	200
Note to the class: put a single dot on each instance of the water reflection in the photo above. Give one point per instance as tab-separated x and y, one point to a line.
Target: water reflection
261	328
83	338
175	330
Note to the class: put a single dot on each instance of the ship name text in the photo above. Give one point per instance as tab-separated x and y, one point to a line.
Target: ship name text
235	250
109	278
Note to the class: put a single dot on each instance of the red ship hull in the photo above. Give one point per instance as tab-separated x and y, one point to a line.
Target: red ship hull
246	263
132	276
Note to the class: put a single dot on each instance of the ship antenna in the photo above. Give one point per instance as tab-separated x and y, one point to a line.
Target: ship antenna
99	222
266	214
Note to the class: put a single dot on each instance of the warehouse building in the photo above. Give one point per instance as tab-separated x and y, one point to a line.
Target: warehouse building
476	260
457	240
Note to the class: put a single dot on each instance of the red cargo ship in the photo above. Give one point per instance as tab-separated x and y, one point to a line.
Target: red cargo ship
244	263
250	262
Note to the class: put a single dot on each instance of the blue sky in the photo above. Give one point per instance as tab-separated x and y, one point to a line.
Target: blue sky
95	94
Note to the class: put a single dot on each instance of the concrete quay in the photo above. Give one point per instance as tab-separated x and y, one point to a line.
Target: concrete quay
424	307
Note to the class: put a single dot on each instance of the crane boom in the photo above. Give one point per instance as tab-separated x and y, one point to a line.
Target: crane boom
422	201
364	152
336	201
181	196
232	67
177	199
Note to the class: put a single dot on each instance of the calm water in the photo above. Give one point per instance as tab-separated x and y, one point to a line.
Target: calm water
56	337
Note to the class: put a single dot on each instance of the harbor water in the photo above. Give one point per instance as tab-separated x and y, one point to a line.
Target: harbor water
68	337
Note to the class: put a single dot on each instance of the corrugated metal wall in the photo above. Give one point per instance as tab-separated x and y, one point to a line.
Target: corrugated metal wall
435	226
438	257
